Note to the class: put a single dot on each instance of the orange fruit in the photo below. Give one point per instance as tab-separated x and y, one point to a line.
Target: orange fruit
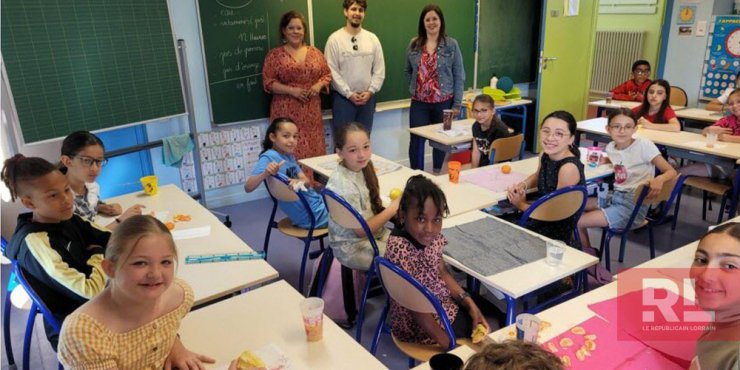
506	168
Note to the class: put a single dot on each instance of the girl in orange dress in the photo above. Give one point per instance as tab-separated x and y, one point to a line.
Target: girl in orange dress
295	74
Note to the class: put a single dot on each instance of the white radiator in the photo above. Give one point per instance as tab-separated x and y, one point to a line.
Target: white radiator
614	54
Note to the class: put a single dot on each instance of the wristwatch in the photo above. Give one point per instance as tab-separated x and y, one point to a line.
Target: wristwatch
460	298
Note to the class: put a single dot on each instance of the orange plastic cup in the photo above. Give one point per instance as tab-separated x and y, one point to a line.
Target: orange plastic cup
453	168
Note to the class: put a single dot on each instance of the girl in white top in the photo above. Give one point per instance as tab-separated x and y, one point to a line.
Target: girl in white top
634	160
355	180
83	157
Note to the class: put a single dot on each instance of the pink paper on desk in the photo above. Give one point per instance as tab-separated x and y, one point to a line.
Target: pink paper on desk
492	178
682	349
648	358
605	348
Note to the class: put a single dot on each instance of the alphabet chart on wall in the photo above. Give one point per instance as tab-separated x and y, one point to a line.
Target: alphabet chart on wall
227	158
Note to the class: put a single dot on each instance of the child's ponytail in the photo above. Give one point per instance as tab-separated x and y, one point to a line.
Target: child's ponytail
371	180
19	169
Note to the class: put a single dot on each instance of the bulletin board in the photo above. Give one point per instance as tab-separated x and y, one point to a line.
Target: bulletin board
722	59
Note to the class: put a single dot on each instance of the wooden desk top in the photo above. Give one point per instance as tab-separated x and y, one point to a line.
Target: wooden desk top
208	280
625	104
683	140
270	315
700	115
526	278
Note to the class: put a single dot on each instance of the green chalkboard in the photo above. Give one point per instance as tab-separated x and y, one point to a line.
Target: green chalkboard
237	34
88	65
508	42
395	22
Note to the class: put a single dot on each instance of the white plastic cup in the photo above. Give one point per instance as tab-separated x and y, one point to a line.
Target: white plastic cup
711	139
447	119
312	310
555	251
527	327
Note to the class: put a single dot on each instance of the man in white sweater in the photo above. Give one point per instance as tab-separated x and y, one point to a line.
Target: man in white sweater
355	58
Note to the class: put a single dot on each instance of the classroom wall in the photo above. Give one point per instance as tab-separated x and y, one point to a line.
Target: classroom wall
649	23
685	54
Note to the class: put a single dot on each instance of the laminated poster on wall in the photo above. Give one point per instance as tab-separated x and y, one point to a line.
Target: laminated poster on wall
722	59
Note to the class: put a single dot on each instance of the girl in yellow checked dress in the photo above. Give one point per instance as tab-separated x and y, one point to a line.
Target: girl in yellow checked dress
133	322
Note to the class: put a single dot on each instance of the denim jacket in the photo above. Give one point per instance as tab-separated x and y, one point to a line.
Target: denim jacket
449	66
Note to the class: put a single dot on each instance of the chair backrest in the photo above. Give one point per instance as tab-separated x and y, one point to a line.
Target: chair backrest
410	294
678	96
558	205
507	148
666	192
278	186
346	216
21	277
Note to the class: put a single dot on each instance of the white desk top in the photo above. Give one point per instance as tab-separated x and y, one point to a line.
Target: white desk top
529	166
625	104
462	197
700	115
432	132
683	140
209	280
270	315
526	278
315	163
568	314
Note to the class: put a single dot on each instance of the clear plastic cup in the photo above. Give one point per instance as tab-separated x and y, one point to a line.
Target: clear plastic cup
527	327
312	310
447	119
555	251
711	139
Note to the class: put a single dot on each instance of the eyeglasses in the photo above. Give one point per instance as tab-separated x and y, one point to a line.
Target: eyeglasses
88	162
621	128
354	43
642	71
558	135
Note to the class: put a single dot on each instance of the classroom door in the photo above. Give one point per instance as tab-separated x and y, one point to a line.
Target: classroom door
566	50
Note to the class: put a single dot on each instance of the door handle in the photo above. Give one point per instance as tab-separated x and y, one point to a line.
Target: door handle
543	61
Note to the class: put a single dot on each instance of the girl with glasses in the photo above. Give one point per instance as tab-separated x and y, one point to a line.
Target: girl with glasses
634	160
560	166
83	157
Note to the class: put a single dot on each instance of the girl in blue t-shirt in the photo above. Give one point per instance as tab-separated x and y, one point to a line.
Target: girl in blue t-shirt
277	157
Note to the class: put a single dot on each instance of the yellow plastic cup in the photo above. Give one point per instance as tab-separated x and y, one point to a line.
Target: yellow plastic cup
149	183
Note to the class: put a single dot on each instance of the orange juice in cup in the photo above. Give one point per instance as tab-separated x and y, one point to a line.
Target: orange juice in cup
312	310
453	168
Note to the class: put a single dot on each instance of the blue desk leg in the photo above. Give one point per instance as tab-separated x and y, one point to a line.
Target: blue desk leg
510	310
420	152
600	111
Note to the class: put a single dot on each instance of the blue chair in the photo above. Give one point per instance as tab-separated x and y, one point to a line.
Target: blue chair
12	283
670	191
558	205
280	191
728	192
506	149
346	216
37	307
409	293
